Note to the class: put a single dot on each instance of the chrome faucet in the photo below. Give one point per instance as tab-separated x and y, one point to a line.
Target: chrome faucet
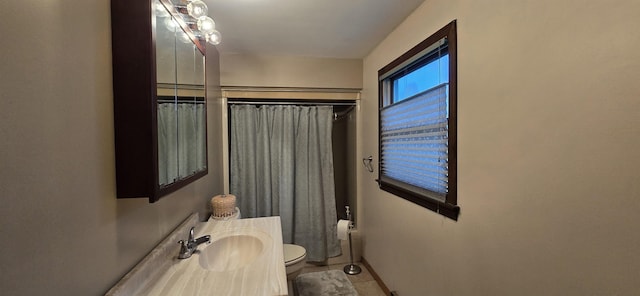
188	247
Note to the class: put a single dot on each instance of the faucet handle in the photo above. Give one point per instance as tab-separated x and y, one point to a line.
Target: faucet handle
184	249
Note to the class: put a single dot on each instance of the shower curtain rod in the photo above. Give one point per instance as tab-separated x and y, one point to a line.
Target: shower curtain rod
179	102
315	103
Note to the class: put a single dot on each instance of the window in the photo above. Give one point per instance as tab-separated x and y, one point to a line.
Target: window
417	103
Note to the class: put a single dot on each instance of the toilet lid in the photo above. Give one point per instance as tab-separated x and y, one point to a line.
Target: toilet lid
293	253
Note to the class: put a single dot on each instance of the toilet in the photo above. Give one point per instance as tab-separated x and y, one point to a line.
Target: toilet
294	260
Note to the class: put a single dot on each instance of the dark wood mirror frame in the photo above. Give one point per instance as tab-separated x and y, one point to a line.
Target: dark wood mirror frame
135	101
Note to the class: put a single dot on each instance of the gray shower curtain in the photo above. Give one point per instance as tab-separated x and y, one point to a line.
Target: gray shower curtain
181	141
281	164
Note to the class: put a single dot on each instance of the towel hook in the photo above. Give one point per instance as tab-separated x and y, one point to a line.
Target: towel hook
367	163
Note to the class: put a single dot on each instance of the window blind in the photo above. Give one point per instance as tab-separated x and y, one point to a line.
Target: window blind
414	139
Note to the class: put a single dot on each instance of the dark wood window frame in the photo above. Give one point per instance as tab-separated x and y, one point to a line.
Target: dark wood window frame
449	208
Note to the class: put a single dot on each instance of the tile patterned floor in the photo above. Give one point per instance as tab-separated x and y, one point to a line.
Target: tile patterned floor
363	282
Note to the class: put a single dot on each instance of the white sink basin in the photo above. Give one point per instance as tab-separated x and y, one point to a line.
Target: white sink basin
244	258
233	250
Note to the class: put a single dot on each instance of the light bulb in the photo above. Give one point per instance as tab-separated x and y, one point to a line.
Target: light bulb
206	25
183	37
160	10
214	37
171	24
197	9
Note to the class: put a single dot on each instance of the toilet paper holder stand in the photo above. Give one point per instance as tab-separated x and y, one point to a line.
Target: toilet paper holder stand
351	269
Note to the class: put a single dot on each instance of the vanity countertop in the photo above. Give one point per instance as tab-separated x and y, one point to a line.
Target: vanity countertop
264	276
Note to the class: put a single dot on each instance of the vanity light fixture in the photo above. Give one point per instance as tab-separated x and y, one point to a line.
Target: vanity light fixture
206	25
184	37
194	15
171	24
197	9
160	10
214	38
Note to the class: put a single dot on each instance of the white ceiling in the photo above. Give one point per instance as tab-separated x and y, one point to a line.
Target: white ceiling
317	28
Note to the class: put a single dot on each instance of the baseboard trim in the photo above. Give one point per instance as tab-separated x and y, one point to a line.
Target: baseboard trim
376	276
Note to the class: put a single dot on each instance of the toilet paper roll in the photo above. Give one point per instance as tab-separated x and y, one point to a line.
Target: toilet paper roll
343	229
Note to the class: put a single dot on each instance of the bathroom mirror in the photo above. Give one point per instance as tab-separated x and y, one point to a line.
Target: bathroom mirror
159	99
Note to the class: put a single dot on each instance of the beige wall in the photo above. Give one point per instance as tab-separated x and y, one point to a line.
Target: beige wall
549	154
62	230
287	71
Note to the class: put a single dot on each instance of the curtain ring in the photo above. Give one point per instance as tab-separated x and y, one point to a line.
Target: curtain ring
367	163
